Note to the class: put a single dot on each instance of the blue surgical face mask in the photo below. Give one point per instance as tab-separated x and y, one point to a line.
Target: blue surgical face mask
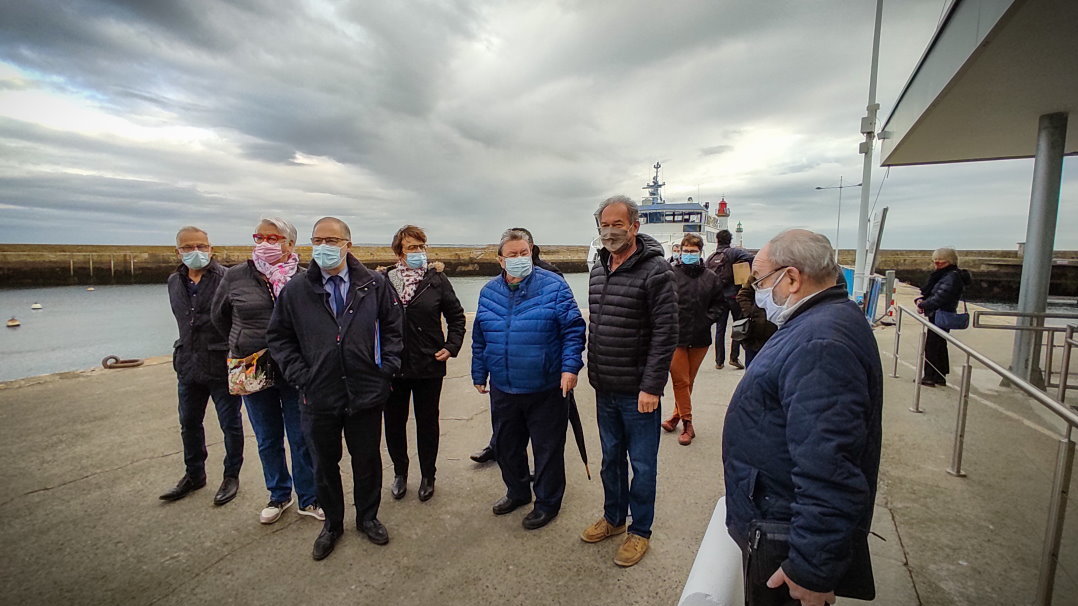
415	260
690	258
766	301
327	256
196	259
518	267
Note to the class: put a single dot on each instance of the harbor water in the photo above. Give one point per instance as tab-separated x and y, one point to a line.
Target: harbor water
76	328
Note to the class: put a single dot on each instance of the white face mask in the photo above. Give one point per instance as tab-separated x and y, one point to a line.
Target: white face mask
766	301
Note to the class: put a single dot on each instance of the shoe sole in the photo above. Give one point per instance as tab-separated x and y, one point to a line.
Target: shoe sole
303	512
509	511
624	564
278	516
617	531
219	502
385	542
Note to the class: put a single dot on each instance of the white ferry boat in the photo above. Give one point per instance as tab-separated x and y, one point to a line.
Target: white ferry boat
668	223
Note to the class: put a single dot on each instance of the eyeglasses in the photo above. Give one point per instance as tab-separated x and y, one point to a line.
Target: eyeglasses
514	255
269	238
330	241
199	248
761	279
415	248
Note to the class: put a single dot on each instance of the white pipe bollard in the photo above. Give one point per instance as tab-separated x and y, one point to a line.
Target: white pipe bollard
716	576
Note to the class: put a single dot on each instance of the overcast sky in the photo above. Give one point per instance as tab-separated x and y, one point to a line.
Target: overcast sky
122	120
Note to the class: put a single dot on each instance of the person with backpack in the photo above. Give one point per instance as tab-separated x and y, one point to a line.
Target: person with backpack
722	262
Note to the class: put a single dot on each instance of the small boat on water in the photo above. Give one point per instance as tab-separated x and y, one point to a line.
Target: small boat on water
36	306
13	323
90	289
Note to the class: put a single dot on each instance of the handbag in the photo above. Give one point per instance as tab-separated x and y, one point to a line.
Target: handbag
251	374
740	329
949	320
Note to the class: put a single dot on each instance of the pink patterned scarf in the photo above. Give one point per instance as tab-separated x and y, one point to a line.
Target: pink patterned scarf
278	273
407	280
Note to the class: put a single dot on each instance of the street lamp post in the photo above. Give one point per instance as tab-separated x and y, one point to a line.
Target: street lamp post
838	222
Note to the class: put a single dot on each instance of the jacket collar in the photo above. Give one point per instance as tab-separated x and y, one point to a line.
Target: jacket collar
829	295
646	247
358	274
214	268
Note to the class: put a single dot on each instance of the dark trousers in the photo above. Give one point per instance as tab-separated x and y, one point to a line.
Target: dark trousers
363	434
425	395
937	360
749	355
732	310
193	399
759	594
542	418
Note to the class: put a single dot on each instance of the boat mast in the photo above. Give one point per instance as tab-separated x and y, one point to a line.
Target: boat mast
654	188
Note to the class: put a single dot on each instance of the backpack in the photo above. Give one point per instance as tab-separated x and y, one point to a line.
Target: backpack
724	269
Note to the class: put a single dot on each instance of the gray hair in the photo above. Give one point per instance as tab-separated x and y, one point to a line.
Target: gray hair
341	224
947	254
513	234
284	227
810	253
634	210
189	228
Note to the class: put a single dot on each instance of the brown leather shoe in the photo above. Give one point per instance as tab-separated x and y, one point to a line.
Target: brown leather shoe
671	423
687	434
631	551
600	530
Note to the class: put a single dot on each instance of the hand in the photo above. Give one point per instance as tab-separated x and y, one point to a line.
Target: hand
442	355
568	382
647	402
797	592
482	389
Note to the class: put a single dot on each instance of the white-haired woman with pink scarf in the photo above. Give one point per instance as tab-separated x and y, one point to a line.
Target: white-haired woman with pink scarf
241	309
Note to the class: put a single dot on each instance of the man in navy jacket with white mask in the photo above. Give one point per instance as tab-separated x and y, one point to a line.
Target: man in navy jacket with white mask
801	442
337	337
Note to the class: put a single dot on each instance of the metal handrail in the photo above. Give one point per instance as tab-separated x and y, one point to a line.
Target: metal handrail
1065	453
1037	327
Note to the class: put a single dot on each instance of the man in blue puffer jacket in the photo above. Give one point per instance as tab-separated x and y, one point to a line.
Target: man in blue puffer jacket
801	442
528	338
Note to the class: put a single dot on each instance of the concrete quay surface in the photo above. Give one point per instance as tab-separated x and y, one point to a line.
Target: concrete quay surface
87	454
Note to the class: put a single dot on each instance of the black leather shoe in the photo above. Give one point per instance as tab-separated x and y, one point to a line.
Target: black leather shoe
375	531
227	491
323	545
426	489
506	505
399	487
928	382
537	518
184	488
483	456
736	364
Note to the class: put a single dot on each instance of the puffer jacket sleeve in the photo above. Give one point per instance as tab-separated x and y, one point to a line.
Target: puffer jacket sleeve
571	326
662	302
221	307
480	372
391	328
826	400
284	344
454	318
946	294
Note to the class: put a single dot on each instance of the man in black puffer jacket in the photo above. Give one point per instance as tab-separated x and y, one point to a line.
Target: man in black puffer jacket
632	333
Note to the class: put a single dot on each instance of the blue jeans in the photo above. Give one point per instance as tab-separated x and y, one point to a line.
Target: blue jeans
273	412
628	437
193	398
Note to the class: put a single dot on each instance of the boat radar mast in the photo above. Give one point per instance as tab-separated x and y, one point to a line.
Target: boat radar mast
654	189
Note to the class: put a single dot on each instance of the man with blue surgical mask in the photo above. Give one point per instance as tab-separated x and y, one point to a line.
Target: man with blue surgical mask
336	335
199	360
528	341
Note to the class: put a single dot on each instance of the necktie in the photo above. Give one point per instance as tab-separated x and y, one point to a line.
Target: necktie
338	298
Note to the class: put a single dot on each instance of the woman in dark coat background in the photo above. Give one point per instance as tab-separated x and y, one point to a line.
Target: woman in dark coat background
943	290
427	297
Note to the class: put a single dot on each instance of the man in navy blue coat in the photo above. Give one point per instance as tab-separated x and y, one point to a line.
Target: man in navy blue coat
801	442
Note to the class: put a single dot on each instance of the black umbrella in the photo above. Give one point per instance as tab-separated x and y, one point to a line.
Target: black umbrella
578	431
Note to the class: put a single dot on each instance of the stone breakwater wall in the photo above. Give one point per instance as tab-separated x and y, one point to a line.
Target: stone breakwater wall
56	265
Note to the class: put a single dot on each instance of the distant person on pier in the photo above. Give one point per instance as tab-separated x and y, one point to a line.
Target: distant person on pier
337	334
675	257
722	262
700	303
942	291
199	359
486	454
801	443
632	334
242	309
528	341
758	329
426	296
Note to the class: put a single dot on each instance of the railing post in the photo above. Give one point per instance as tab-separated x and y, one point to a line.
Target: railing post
1051	338
1064	374
1056	513
898	338
960	422
920	371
